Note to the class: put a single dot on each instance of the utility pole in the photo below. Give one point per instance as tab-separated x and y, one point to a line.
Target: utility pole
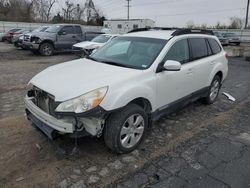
128	7
246	23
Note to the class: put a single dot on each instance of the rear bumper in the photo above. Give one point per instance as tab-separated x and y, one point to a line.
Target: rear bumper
42	118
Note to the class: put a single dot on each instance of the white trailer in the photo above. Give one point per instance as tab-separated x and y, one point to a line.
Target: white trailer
121	26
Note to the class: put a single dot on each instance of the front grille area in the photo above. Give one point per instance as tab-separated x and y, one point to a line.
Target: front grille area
26	38
45	101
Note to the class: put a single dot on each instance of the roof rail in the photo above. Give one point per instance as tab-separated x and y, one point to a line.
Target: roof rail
150	28
177	32
192	31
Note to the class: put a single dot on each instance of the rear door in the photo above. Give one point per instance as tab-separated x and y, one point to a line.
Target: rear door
201	59
79	34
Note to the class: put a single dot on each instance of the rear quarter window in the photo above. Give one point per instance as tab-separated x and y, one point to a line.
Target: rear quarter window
198	47
214	46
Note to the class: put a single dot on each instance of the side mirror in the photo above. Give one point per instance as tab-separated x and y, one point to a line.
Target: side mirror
171	65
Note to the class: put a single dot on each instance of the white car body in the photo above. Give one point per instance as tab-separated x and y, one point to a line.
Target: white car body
90	45
72	79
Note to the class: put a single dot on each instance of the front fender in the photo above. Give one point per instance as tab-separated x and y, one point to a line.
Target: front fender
125	95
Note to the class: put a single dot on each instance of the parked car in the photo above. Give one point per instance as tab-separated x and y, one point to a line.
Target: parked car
58	38
125	85
27	36
86	48
18	38
9	34
232	38
223	40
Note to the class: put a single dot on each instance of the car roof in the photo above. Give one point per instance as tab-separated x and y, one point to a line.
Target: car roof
65	24
164	34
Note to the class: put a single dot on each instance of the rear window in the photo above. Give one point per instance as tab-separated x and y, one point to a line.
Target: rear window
199	48
214	46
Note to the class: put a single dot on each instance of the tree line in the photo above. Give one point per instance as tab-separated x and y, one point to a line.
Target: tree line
235	23
41	11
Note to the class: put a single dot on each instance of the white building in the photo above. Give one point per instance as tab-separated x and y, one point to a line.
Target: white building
121	26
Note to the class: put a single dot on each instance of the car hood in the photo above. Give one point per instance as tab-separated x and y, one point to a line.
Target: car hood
88	45
72	79
43	35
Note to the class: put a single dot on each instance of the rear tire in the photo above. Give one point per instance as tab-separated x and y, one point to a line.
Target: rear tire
214	90
126	129
46	49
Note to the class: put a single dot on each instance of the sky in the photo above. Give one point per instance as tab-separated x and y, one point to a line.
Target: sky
169	13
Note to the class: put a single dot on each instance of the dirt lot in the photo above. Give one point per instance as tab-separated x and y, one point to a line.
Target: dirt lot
28	159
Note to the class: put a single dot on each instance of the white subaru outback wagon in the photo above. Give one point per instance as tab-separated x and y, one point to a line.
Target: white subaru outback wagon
125	85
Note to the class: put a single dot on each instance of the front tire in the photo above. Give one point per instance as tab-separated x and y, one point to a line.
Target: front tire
46	49
126	129
214	90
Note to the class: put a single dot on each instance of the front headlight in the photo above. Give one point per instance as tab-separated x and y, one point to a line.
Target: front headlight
83	103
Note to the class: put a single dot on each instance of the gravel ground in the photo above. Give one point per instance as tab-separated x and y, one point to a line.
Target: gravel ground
28	159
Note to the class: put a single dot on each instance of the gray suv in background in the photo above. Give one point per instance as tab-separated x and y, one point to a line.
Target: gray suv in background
232	38
58	37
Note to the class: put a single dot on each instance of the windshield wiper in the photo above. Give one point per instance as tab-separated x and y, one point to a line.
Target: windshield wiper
91	58
116	64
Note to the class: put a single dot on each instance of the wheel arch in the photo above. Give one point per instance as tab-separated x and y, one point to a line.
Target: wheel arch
47	41
142	102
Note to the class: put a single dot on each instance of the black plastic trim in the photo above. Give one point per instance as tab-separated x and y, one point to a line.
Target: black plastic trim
180	103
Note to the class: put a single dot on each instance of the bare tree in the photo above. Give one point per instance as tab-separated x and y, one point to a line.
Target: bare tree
190	24
49	7
236	23
43	9
68	10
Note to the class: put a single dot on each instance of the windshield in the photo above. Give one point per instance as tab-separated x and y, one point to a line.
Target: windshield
40	29
132	52
218	34
101	38
53	29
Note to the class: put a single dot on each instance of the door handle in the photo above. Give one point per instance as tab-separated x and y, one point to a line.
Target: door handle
73	37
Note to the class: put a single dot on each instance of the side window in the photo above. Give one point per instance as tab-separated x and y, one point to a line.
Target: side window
135	26
214	46
78	30
68	29
179	52
209	48
199	48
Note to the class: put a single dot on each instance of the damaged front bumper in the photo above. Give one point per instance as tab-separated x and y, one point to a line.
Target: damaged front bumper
34	111
91	122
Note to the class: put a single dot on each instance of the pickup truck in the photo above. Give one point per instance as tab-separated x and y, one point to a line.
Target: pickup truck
56	38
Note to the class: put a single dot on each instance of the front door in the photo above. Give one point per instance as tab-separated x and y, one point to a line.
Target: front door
172	86
66	38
